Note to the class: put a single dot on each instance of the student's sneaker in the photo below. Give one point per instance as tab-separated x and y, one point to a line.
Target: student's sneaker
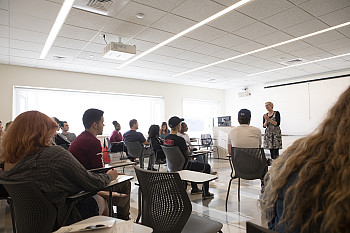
196	191
208	195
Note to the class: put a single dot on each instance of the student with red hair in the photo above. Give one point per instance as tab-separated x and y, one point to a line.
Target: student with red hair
29	155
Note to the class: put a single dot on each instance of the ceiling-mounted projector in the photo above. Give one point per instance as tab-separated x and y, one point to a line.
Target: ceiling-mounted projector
119	51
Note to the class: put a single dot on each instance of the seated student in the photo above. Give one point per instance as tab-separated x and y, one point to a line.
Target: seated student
65	134
30	156
173	140
59	139
156	142
117	137
307	187
86	148
164	131
133	136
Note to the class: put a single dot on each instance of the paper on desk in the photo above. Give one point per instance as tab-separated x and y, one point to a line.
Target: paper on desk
112	227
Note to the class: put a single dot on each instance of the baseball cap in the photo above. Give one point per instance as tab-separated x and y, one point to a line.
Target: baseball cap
174	121
244	113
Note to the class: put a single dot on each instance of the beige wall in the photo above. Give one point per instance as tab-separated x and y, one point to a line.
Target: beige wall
26	76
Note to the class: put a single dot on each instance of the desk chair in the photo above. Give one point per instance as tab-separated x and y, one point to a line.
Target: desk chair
166	207
33	212
135	150
174	159
248	164
5	196
253	228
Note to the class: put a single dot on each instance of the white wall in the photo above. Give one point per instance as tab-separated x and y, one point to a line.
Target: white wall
302	106
25	76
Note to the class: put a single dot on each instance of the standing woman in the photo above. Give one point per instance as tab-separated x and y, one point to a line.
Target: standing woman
272	138
164	131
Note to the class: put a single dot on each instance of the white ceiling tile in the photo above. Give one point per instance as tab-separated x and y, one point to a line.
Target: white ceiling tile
57	51
21	61
232	21
86	19
165	5
38	8
22	34
321	7
154	35
168	51
340	51
306	52
345	31
173	23
205	33
266	54
207	49
190	56
207	59
4	31
4	59
4	4
123	29
229	40
4	17
185	43
28	22
265	8
339	66
254	31
247	47
25	45
307	27
133	8
198	10
91	56
225	53
49	64
298	2
69	43
337	44
288	18
4	51
337	17
24	53
74	32
273	38
324	38
296	45
4	42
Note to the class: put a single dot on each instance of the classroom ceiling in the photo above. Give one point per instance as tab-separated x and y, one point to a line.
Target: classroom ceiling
25	25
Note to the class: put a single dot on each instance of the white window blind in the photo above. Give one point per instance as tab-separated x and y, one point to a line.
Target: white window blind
69	105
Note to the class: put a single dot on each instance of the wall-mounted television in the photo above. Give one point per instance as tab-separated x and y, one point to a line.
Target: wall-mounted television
224	121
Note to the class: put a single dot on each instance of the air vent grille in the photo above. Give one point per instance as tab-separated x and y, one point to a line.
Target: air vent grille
293	61
103	5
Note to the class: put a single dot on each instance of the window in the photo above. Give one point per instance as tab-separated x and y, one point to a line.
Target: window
70	105
199	116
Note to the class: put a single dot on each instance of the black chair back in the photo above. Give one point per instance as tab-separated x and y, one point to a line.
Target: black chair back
174	158
134	149
253	228
33	212
166	206
249	163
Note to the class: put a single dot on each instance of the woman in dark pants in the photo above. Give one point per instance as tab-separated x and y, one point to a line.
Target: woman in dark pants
272	138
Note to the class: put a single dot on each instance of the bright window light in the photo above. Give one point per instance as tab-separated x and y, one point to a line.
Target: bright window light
305	63
61	17
207	20
265	48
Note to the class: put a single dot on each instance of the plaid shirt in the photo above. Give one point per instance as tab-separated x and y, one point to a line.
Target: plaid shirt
58	175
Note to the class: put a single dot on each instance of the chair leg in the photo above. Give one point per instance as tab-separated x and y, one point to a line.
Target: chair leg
139	206
141	161
228	192
239	189
12	209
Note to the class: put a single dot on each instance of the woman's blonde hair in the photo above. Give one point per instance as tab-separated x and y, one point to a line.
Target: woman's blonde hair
319	199
29	132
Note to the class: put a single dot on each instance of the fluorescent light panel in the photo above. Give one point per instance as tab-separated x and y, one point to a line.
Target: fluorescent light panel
265	48
61	17
207	20
305	63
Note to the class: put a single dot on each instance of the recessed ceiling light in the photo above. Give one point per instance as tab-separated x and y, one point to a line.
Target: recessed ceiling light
91	56
207	20
61	17
305	63
265	48
140	15
58	58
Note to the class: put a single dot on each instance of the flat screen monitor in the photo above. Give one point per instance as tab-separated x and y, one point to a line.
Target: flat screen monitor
224	121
